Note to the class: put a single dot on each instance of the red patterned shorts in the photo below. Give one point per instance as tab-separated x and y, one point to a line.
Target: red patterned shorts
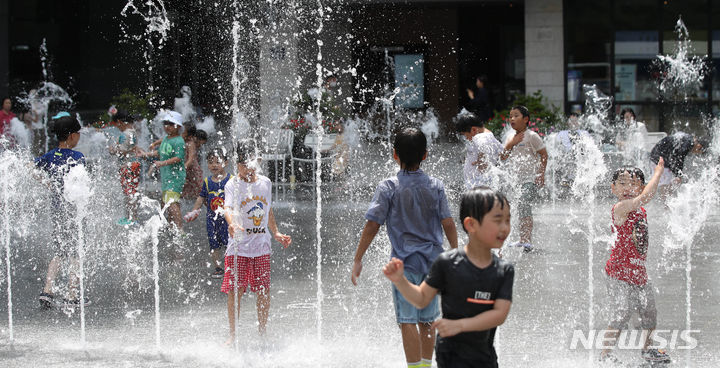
251	271
130	178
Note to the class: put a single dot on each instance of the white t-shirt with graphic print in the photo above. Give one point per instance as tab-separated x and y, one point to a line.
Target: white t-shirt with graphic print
250	203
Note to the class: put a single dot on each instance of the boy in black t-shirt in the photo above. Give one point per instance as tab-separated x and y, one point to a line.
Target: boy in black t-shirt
474	284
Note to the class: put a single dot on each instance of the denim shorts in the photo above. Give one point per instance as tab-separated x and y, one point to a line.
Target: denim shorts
406	312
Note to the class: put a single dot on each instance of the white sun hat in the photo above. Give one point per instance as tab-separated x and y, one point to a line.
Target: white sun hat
173	117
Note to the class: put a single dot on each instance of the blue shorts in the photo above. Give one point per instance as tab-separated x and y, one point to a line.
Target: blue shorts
406	312
217	234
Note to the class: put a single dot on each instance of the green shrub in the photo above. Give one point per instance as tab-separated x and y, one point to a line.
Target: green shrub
545	117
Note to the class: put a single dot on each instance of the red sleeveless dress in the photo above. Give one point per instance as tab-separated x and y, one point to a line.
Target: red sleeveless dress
628	255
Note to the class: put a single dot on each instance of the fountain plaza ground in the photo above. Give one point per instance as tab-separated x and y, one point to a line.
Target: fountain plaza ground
554	292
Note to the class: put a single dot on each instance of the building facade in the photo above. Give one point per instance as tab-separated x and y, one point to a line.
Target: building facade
554	46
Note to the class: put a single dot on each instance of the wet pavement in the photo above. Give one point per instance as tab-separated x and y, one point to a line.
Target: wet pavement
558	289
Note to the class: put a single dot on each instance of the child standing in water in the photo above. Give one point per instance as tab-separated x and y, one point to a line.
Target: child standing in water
249	214
483	151
56	164
475	285
194	139
212	194
125	149
415	208
528	159
628	286
170	154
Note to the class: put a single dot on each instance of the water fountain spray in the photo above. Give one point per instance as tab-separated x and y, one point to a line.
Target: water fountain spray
6	238
318	174
77	191
682	74
590	170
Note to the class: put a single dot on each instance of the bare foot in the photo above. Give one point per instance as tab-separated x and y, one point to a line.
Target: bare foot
230	341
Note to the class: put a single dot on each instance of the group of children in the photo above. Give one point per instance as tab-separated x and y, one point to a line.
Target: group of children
474	283
461	294
527	156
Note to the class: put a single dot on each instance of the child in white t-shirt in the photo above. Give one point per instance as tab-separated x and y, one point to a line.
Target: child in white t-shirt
251	224
528	160
483	152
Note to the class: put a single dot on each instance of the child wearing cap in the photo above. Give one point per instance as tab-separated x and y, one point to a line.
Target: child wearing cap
251	225
56	164
171	156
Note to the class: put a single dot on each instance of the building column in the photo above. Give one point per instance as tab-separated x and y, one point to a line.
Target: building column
544	49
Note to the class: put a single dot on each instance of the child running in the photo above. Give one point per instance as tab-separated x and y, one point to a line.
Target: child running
170	154
249	214
125	149
56	164
628	286
483	152
528	159
415	208
212	194
475	285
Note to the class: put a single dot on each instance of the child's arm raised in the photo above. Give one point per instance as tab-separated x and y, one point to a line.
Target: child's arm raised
448	226
623	208
419	296
368	234
483	321
285	240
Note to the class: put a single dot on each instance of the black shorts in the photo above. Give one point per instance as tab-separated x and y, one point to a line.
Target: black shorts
448	359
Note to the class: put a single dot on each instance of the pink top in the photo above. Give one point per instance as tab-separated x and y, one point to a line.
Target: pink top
5	118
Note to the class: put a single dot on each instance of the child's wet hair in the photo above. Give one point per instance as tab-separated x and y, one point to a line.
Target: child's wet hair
201	135
193	131
245	151
477	202
410	145
523	110
466	120
627	110
634	172
121	115
218	153
64	126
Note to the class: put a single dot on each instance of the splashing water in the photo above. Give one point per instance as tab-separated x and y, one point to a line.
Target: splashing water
21	133
40	101
184	105
598	106
683	74
77	190
154	14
